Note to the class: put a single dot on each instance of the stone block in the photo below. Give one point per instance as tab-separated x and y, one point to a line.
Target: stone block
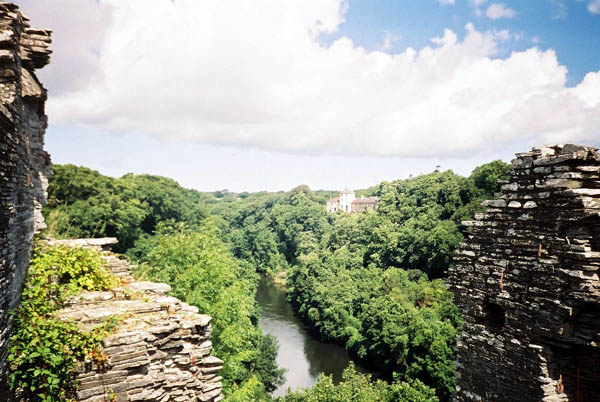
532	333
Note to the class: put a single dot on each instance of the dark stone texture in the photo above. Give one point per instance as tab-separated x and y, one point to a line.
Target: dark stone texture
24	165
526	281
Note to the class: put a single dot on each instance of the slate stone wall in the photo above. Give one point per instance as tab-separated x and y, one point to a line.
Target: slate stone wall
24	165
526	281
161	349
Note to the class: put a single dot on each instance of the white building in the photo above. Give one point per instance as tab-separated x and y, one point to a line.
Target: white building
348	202
333	205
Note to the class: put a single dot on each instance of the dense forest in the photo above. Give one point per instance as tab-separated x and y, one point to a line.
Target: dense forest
370	281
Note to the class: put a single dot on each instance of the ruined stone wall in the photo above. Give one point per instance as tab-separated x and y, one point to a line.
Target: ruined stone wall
24	165
526	281
161	349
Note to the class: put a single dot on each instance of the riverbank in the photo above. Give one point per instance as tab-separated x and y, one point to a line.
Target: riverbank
301	354
278	278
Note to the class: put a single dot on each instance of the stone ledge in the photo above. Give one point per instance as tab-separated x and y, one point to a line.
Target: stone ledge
96	243
160	350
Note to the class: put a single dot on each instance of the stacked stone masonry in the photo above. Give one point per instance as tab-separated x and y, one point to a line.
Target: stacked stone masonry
24	165
526	281
160	350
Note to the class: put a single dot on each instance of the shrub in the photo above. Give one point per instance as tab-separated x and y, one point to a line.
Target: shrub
43	349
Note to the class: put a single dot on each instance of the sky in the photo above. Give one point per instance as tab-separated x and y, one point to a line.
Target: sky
252	95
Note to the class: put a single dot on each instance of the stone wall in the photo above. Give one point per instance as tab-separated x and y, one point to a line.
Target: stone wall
526	281
24	165
160	350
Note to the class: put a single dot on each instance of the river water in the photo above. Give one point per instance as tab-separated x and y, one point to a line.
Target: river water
303	356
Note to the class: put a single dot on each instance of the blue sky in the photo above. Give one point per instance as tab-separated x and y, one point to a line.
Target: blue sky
267	95
565	26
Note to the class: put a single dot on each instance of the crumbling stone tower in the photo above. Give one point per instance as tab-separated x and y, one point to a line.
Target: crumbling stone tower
526	281
24	165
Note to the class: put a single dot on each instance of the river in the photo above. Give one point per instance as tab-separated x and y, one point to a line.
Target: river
303	356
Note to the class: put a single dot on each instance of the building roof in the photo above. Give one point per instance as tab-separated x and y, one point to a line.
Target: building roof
334	199
370	200
347	191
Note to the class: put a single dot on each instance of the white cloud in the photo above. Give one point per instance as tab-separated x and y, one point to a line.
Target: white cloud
560	9
257	76
588	91
499	10
506	35
449	38
79	34
594	7
446	2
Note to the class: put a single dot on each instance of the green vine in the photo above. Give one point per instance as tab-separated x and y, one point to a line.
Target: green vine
43	349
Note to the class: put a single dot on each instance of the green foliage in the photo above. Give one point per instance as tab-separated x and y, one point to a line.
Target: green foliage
201	271
417	229
366	280
248	391
342	273
486	176
360	388
482	185
43	349
166	200
416	224
398	320
266	364
92	205
341	269
84	203
268	229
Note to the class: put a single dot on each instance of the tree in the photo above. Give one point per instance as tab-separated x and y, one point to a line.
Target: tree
360	388
84	203
201	271
487	175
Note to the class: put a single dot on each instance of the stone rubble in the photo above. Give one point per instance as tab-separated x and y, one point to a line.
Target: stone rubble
526	281
24	165
160	350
